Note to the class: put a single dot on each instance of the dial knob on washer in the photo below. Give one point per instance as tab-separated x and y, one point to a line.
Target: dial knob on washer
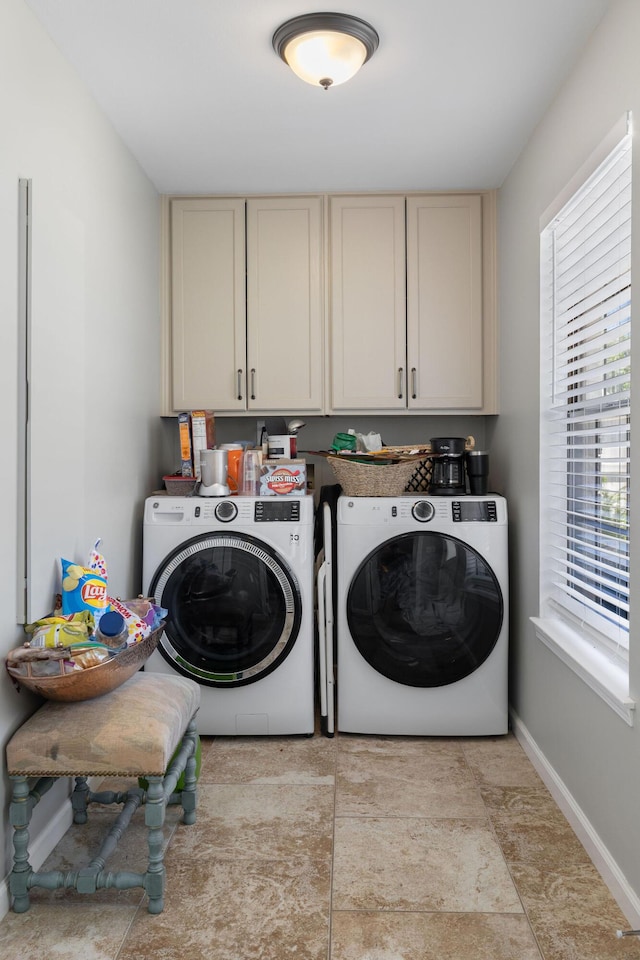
226	510
423	510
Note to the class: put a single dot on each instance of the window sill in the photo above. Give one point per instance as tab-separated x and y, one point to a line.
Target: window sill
607	679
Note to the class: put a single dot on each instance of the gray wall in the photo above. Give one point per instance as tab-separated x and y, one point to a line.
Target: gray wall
95	316
592	751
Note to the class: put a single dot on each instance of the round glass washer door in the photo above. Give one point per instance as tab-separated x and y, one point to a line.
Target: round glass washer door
424	609
234	609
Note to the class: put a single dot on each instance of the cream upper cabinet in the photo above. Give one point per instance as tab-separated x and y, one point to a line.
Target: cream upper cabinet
444	302
412	319
247	304
285	304
367	303
411	322
208	305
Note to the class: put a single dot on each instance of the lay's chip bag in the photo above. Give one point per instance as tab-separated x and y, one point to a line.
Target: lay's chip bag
83	589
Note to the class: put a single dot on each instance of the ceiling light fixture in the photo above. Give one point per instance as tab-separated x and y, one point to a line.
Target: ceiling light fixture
325	49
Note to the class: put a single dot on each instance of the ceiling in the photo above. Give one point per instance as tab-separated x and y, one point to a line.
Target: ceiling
197	92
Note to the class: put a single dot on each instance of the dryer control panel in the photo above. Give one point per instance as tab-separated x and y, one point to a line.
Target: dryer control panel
474	511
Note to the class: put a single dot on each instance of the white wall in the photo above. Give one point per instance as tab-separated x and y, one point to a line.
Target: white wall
95	394
593	752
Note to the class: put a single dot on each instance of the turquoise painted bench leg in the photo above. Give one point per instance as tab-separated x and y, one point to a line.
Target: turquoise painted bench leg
154	810
22	803
20	814
188	798
79	800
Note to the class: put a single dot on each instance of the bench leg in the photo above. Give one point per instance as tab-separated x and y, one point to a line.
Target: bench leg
188	798
79	800
20	814
154	811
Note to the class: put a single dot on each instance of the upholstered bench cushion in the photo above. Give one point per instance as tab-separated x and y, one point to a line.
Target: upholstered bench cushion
133	730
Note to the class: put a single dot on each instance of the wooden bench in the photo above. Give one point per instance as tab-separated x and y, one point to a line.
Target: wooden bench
132	732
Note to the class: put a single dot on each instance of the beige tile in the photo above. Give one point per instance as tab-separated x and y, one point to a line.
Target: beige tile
500	761
381	779
304	760
545	840
90	930
242	910
424	936
405	864
572	913
518	800
266	821
398	746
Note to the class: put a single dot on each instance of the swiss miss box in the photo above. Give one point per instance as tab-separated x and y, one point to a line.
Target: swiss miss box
283	478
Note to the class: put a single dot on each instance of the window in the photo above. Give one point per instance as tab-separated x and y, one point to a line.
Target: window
585	407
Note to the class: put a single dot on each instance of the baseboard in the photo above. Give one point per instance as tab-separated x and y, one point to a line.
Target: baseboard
43	843
626	897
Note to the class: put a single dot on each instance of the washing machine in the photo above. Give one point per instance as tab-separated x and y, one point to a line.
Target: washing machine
236	576
422	615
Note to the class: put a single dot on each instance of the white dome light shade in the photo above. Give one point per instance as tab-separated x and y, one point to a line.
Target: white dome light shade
325	49
325	58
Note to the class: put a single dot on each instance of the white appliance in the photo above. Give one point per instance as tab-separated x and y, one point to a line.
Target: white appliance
236	575
421	613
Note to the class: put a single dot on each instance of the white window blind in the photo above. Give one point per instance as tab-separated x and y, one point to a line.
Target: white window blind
585	400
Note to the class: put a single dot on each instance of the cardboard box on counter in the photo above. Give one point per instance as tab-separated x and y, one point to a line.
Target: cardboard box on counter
186	453
203	435
283	478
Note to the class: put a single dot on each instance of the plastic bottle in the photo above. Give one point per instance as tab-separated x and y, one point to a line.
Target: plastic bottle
112	631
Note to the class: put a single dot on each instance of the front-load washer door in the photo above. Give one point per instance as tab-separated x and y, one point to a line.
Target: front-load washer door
234	609
424	609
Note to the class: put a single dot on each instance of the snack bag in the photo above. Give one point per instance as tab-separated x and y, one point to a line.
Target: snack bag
85	617
82	589
147	610
137	627
97	562
59	634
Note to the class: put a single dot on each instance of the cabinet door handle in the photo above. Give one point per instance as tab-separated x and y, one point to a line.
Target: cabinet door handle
253	383
400	382
239	384
414	391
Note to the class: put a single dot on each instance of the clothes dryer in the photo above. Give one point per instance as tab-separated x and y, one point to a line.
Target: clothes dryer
422	615
236	576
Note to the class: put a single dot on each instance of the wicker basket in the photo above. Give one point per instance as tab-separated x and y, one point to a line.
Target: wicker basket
92	682
373	479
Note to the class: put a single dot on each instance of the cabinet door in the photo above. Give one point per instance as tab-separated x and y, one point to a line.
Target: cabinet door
368	346
284	304
208	304
444	302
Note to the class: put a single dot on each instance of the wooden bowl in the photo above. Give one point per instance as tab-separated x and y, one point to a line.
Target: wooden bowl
94	681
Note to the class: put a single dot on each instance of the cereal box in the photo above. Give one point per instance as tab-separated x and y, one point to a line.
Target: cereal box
186	455
203	436
283	478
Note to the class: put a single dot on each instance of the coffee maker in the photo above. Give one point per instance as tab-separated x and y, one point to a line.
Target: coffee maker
447	467
452	466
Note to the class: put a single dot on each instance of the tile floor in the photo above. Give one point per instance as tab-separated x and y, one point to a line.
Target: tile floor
351	848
